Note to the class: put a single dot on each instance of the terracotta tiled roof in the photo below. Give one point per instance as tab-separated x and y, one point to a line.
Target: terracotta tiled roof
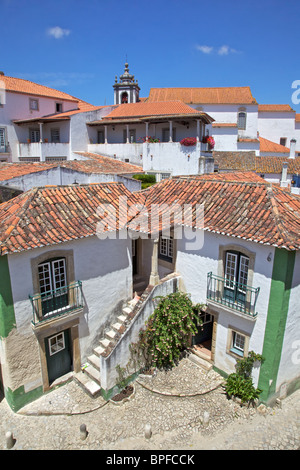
271	147
94	163
224	95
224	124
101	164
255	211
297	118
18	85
274	165
247	161
229	161
14	170
142	109
57	214
81	107
275	108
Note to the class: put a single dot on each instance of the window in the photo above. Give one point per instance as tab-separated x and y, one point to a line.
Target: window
58	107
236	276
238	343
2	139
124	97
166	248
53	285
55	136
34	135
56	343
283	141
33	104
242	120
165	176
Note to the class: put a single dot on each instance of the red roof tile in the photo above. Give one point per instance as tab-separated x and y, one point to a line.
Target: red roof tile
18	85
142	109
52	215
224	95
256	211
271	147
275	108
93	163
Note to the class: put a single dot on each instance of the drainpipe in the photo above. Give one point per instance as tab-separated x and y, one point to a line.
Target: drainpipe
105	134
292	148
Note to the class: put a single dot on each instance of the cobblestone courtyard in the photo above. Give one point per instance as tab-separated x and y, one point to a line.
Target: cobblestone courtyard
186	408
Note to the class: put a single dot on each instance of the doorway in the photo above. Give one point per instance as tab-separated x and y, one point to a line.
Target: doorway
202	340
58	354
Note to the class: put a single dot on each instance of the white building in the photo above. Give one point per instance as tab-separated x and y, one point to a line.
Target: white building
69	266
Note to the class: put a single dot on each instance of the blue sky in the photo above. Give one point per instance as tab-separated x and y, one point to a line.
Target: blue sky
78	47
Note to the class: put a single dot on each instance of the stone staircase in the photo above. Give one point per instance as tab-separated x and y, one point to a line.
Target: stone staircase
89	377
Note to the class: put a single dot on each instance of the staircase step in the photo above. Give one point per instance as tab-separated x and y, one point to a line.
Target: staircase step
116	326
104	342
88	385
95	361
111	334
93	373
200	362
122	318
99	350
126	310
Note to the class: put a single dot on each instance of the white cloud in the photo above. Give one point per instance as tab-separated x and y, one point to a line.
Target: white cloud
205	49
225	50
222	50
57	32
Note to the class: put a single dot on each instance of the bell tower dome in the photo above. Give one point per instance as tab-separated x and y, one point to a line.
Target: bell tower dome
126	90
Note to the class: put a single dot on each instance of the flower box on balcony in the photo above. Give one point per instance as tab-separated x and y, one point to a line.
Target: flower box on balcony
189	141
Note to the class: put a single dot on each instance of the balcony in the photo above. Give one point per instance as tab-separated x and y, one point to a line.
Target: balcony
40	151
56	303
232	295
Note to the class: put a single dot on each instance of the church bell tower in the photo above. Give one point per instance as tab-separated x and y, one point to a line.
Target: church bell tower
127	89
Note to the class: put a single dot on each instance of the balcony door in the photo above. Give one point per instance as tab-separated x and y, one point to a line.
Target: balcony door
236	277
53	285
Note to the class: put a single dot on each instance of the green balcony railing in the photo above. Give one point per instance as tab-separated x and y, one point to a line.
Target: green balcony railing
232	294
57	302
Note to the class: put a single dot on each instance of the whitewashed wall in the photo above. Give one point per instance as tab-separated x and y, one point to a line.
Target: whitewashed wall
105	269
194	265
289	368
274	125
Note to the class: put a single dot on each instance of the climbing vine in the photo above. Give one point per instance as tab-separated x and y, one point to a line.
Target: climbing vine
167	332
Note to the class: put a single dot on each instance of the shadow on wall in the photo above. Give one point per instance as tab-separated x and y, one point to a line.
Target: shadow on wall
7	193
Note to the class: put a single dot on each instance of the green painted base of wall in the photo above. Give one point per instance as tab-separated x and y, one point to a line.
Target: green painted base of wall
278	308
18	398
220	372
108	394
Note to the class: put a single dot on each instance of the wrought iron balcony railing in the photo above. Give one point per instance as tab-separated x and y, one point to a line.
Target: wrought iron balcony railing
232	294
57	302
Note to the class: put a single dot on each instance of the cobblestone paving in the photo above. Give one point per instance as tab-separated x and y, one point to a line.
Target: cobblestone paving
186	408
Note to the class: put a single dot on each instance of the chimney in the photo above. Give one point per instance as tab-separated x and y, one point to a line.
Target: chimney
284	182
292	148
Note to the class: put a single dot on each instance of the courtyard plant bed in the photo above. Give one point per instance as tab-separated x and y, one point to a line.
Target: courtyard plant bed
239	386
124	395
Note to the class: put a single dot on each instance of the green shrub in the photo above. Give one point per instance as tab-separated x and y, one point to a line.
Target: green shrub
239	384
